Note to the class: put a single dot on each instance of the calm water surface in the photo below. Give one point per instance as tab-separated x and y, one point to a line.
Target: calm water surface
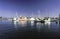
28	30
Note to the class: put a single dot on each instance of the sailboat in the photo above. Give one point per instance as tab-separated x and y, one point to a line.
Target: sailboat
48	20
39	19
15	18
32	19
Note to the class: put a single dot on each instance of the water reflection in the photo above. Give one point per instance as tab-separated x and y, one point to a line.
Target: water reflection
22	23
38	26
29	26
15	24
48	25
32	23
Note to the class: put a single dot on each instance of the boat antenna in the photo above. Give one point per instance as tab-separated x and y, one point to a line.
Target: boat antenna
47	14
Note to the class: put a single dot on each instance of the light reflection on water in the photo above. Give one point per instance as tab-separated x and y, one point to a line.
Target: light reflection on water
32	23
28	25
23	23
15	24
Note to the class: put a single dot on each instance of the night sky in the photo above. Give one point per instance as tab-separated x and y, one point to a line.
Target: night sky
9	8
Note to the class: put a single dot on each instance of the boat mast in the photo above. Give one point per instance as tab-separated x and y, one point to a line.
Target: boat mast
47	15
39	14
16	15
32	14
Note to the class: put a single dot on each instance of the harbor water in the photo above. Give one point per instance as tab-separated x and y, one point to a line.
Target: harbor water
28	30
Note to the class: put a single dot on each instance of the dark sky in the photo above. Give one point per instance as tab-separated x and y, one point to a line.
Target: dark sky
9	8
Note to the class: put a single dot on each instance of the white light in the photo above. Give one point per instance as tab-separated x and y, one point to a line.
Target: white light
14	18
32	19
